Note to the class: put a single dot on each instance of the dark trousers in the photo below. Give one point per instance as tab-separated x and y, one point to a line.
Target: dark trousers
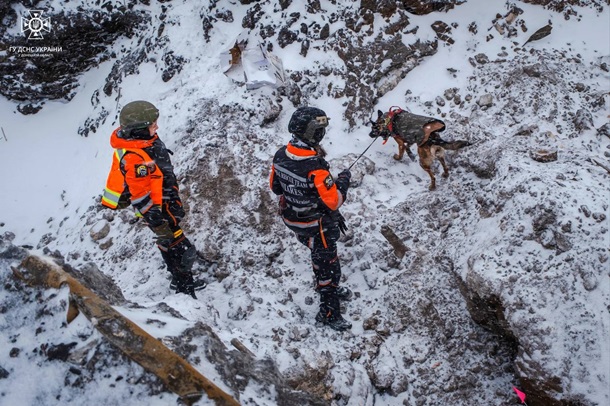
178	254
322	241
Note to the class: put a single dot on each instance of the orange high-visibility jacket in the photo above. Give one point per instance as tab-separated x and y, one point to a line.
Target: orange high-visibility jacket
134	172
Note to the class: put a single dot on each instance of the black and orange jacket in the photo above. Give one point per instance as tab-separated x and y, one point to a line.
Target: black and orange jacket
141	169
303	178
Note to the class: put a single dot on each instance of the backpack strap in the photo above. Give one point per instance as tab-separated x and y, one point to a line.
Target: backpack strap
121	152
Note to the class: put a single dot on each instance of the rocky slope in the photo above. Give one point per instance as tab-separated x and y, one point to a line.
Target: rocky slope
506	264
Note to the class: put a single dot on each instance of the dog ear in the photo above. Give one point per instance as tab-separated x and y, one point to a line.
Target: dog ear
379	114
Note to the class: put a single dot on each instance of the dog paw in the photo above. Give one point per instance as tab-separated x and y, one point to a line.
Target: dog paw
397	157
445	174
432	187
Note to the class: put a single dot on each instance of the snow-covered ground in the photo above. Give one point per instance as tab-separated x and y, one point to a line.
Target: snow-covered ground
534	235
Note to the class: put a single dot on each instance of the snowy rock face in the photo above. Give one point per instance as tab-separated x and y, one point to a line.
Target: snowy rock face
88	35
84	355
505	278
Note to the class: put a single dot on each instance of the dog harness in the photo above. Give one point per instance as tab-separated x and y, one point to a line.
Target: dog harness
388	123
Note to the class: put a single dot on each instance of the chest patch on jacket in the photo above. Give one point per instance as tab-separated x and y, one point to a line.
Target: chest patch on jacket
329	182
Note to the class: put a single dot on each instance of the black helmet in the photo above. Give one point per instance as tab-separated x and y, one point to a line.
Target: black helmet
308	124
138	114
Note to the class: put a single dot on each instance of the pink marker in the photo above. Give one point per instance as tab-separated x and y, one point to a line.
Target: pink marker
520	394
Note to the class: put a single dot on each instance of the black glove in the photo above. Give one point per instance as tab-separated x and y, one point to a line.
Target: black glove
342	182
340	220
154	217
164	234
345	174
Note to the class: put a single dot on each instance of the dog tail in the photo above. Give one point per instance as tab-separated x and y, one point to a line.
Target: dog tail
435	139
455	145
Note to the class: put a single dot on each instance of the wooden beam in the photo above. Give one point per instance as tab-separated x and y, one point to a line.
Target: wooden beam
176	373
400	249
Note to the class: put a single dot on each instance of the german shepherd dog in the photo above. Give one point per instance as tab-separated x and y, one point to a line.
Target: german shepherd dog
408	129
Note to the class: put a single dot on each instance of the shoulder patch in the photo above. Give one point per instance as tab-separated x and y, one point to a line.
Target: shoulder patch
329	182
141	171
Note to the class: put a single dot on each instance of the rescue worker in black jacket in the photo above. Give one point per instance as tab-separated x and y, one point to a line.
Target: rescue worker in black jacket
309	202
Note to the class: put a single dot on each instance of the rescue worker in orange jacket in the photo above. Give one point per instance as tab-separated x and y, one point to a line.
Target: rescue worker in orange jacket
142	175
309	203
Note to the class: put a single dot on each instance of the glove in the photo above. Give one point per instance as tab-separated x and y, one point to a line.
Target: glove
154	216
163	232
338	217
345	174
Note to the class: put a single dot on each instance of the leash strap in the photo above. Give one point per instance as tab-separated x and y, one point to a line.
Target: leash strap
363	152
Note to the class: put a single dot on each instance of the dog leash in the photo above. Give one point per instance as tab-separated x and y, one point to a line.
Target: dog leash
363	152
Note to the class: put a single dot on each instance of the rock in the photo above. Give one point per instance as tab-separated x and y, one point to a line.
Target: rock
543	155
59	352
325	32
443	32
583	120
481	59
527	130
239	369
173	65
485	101
286	37
9	251
100	230
535	71
56	76
604	130
419	7
101	284
106	244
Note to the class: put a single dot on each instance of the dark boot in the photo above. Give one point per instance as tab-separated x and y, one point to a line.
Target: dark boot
198	284
344	293
186	284
330	313
179	259
333	320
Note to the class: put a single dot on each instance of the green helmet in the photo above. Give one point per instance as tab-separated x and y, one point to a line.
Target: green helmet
138	114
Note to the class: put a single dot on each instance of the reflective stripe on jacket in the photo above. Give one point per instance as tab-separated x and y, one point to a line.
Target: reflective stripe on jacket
115	185
134	171
304	179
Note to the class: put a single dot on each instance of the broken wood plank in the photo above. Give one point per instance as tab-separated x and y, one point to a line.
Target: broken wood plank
400	249
176	373
241	347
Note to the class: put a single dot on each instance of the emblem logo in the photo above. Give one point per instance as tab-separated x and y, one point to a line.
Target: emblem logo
329	182
36	24
141	171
